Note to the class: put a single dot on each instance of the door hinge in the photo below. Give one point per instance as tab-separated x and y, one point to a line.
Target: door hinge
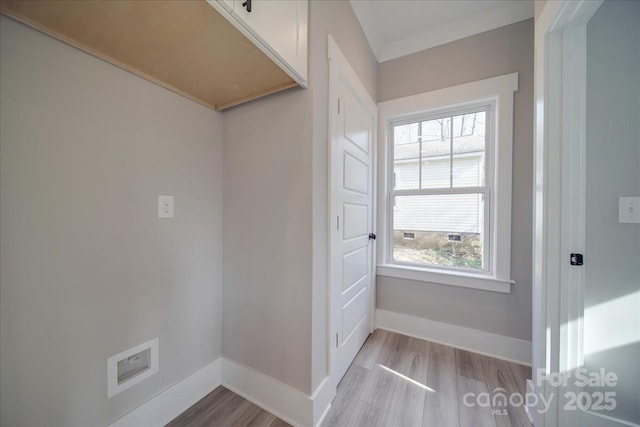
338	105
336	340
372	236
338	223
577	259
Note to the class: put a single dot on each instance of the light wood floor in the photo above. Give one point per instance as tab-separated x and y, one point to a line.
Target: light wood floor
394	381
397	380
224	408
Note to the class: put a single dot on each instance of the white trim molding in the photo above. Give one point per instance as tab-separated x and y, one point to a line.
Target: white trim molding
559	223
322	398
493	345
280	399
530	389
460	29
385	50
171	402
465	280
335	55
498	93
298	69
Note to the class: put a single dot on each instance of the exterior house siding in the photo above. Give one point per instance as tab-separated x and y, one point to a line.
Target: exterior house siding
460	213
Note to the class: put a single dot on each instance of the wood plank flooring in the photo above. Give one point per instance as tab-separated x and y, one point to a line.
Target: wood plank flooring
224	408
397	381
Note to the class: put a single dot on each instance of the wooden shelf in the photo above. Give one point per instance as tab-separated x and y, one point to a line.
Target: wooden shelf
184	46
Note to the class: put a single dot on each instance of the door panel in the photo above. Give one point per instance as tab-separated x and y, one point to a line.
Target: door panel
356	174
355	220
354	312
355	267
357	125
354	289
352	187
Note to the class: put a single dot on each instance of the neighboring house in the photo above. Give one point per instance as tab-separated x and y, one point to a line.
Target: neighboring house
454	213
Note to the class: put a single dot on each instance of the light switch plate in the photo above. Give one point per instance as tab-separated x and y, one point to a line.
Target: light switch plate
629	210
165	206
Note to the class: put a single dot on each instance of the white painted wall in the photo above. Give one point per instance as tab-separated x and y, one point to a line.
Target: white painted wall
87	268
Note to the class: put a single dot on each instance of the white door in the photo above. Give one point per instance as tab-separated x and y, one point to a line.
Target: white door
592	282
351	223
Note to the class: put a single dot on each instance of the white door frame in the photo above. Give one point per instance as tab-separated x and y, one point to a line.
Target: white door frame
338	63
559	217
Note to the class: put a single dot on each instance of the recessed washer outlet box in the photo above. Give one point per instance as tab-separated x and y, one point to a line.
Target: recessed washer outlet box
128	368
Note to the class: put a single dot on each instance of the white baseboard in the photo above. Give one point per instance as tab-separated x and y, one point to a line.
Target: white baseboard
530	410
280	399
285	402
171	402
322	398
498	346
292	405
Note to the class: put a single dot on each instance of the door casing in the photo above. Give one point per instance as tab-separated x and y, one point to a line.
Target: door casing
559	198
339	63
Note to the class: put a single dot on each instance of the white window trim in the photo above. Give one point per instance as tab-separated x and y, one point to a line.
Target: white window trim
486	105
498	90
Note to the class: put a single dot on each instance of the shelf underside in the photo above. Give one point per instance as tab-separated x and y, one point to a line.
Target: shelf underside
184	46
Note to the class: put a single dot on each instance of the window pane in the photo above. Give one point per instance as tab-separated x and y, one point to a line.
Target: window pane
406	155
435	173
405	134
440	230
436	131
406	175
468	150
436	151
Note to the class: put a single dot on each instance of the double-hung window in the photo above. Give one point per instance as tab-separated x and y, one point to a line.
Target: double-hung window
447	185
438	192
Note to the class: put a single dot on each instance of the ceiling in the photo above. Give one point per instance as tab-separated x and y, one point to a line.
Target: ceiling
397	28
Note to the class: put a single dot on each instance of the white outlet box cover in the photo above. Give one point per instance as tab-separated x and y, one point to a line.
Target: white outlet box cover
629	210
113	387
165	206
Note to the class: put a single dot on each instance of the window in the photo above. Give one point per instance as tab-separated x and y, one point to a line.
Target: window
438	189
447	186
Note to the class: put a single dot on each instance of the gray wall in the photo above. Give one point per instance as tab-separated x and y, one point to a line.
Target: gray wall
613	169
87	268
339	20
267	237
504	50
275	203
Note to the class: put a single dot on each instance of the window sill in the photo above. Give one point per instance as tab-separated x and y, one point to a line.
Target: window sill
454	278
